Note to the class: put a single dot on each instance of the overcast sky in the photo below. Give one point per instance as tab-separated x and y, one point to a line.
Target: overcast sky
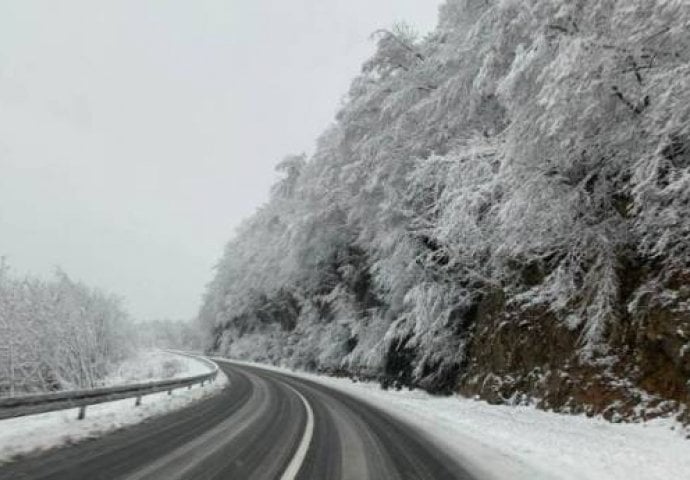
136	134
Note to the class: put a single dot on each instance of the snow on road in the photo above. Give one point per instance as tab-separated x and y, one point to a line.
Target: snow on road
523	443
23	435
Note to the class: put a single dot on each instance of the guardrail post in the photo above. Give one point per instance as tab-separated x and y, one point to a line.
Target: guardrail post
82	413
169	392
202	383
138	401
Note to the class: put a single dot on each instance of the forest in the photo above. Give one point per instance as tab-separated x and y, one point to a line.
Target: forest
500	208
61	334
58	334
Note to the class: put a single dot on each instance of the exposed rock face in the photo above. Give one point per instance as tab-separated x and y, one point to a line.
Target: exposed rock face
501	209
529	355
518	356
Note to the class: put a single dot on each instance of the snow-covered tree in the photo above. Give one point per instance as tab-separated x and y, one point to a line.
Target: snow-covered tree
533	151
57	334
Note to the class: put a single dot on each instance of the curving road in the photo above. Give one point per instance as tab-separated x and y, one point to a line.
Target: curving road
264	425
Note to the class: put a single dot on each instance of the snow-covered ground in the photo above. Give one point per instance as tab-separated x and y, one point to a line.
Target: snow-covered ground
23	435
153	365
522	443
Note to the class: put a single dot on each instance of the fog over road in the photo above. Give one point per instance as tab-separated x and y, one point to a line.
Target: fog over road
264	425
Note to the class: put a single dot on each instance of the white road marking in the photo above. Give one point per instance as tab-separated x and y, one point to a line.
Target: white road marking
296	463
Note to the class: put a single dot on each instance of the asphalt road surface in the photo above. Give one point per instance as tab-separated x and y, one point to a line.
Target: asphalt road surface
264	425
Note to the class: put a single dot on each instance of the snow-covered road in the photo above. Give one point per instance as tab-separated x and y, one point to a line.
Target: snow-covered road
258	429
258	426
24	435
523	443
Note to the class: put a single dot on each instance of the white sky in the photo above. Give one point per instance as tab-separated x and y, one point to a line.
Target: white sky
136	134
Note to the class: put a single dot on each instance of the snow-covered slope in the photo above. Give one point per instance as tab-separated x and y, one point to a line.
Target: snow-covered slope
154	365
501	208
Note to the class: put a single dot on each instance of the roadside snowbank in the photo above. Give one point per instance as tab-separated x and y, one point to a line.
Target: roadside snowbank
154	365
24	435
499	442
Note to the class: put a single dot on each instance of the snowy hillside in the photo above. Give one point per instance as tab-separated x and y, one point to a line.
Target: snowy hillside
500	209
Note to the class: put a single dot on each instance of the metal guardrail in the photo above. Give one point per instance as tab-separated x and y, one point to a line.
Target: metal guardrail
49	402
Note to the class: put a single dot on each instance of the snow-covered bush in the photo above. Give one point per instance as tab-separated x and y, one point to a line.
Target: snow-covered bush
57	334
